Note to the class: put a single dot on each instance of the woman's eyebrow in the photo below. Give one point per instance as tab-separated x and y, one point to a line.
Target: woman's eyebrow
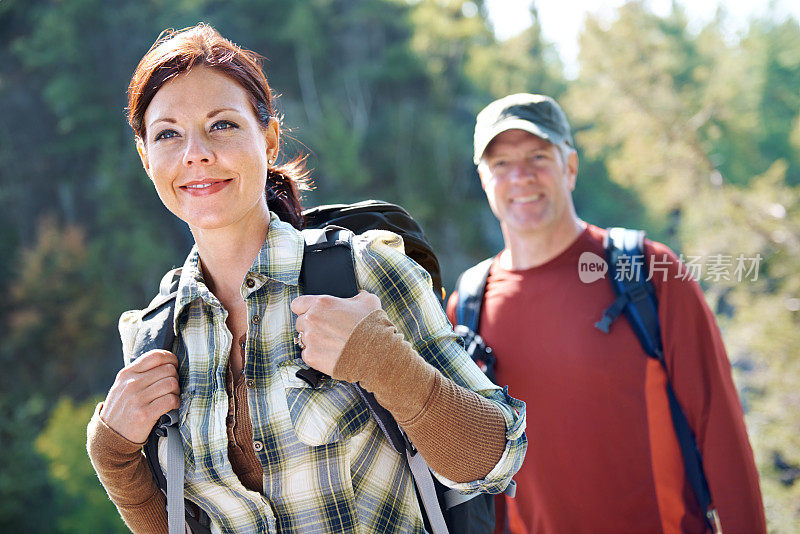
220	110
208	116
163	119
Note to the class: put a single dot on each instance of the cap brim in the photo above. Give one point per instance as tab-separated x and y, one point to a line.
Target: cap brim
516	124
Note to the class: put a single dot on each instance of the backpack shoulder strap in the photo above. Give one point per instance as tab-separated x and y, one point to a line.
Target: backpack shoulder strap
329	269
157	331
636	296
328	265
377	214
470	287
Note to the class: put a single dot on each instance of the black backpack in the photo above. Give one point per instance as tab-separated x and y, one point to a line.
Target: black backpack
327	268
636	297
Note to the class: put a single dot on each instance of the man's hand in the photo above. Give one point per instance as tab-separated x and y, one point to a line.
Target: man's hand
142	392
324	324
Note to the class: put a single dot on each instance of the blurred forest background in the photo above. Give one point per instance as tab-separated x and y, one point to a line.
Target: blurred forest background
682	132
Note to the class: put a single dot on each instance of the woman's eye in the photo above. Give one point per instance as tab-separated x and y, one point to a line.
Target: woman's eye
165	134
223	125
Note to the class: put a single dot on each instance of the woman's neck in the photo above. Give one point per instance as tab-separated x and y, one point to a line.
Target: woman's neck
227	254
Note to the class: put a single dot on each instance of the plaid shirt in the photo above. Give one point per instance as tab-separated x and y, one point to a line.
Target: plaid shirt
327	466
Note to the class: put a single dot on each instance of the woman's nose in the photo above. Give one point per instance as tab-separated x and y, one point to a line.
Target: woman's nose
197	151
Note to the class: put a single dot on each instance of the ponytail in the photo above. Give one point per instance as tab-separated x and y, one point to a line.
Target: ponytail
283	190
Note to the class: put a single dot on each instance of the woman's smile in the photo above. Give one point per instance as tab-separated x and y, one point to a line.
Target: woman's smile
207	187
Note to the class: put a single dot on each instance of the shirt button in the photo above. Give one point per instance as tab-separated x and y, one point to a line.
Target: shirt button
256	319
258	446
250	383
250	282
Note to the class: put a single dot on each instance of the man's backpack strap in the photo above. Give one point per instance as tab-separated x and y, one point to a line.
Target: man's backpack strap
636	297
157	331
635	293
470	287
329	269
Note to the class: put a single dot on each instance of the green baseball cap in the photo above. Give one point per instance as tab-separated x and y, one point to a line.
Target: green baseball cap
536	114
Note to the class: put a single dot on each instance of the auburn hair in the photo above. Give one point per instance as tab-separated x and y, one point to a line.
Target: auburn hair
177	52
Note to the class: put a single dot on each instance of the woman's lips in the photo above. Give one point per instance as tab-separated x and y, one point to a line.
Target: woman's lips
205	188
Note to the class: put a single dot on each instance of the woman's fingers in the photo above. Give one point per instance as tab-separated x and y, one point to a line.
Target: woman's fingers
325	323
152	359
142	392
162	405
168	385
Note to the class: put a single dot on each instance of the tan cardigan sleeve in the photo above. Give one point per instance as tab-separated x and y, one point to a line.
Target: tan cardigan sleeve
459	433
122	469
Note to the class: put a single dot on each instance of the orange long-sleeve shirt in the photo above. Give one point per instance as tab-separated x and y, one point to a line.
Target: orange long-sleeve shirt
602	453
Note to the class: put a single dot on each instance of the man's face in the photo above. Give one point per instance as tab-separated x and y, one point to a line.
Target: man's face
528	185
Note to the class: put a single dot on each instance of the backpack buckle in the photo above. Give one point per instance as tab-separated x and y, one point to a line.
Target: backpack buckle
637	293
311	376
604	324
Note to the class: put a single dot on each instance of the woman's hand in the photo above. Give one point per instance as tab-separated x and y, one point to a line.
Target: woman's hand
142	392
324	324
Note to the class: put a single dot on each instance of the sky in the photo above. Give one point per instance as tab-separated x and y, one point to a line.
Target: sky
562	20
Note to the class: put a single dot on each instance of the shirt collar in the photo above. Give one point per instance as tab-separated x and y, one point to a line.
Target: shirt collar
279	259
281	256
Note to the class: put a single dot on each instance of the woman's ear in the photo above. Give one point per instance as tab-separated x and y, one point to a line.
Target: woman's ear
272	136
142	150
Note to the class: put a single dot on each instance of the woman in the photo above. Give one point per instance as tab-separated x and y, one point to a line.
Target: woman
264	451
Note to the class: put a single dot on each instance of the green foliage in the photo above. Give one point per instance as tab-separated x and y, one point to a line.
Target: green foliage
780	101
82	503
524	63
638	91
761	331
54	305
26	496
686	133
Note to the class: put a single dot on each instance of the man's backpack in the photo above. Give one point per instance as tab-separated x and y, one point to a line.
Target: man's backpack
636	297
327	268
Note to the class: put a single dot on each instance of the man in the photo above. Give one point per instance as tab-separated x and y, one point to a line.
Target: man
603	454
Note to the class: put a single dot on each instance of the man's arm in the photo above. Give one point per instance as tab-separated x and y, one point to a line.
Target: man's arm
700	373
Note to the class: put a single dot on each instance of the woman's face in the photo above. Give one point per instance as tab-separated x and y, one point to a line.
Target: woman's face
206	151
